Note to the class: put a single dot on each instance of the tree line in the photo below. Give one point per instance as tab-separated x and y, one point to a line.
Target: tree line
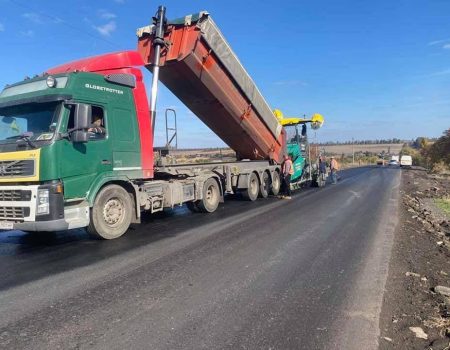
364	142
433	154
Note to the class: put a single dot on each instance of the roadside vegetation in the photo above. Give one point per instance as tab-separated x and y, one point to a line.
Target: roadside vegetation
433	155
430	153
444	204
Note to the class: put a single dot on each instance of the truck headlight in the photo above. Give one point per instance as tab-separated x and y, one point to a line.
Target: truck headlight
43	204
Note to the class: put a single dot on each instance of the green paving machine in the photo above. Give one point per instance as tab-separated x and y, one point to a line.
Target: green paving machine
306	170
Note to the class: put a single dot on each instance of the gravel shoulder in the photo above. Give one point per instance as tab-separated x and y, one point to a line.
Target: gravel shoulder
416	314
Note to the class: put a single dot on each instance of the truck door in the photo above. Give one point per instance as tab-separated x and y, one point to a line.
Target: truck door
81	164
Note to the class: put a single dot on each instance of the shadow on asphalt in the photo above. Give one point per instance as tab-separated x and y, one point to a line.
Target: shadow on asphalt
29	256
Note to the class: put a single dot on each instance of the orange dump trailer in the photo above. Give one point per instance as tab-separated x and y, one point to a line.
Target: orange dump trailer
198	65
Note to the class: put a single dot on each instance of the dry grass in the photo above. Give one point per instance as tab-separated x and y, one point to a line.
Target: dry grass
443	204
437	322
440	168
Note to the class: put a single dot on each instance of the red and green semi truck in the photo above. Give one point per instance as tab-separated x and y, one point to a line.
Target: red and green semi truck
58	173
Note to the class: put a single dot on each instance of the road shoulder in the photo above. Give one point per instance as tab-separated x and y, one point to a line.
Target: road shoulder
419	262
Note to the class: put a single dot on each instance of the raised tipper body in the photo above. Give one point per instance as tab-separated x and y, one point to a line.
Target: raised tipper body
198	65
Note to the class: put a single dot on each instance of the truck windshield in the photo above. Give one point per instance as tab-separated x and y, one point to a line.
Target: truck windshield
28	123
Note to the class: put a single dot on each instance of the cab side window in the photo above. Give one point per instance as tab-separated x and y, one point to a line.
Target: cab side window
97	129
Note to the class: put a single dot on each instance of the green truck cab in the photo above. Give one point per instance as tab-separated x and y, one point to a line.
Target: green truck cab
54	158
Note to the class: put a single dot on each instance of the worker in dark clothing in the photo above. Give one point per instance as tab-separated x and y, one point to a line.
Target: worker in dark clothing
288	170
322	165
322	178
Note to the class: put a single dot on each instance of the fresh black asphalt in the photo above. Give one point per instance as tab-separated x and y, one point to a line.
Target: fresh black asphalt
306	273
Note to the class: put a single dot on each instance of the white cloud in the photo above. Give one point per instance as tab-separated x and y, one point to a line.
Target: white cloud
2	27
37	18
106	14
437	42
33	17
445	42
27	33
106	29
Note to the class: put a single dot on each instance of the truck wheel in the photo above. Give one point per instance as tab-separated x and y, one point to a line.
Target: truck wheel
264	189
276	183
193	206
211	196
251	193
110	216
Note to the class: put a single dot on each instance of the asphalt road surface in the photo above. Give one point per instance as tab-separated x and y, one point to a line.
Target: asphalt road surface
308	273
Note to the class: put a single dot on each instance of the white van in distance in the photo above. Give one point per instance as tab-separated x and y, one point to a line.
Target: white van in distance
406	161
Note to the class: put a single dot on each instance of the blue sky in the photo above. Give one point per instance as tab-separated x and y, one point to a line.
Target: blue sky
374	69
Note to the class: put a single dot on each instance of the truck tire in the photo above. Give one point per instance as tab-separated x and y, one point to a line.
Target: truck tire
111	214
264	189
276	183
251	193
211	196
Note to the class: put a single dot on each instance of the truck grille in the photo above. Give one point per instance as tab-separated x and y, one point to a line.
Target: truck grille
14	213
14	195
13	168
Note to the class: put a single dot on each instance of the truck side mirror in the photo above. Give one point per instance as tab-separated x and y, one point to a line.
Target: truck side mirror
82	122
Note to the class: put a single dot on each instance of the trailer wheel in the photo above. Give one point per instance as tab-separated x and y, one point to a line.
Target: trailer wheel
111	214
264	189
193	206
211	196
251	193
276	183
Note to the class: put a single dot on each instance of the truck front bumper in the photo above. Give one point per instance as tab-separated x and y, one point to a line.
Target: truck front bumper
19	209
51	225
